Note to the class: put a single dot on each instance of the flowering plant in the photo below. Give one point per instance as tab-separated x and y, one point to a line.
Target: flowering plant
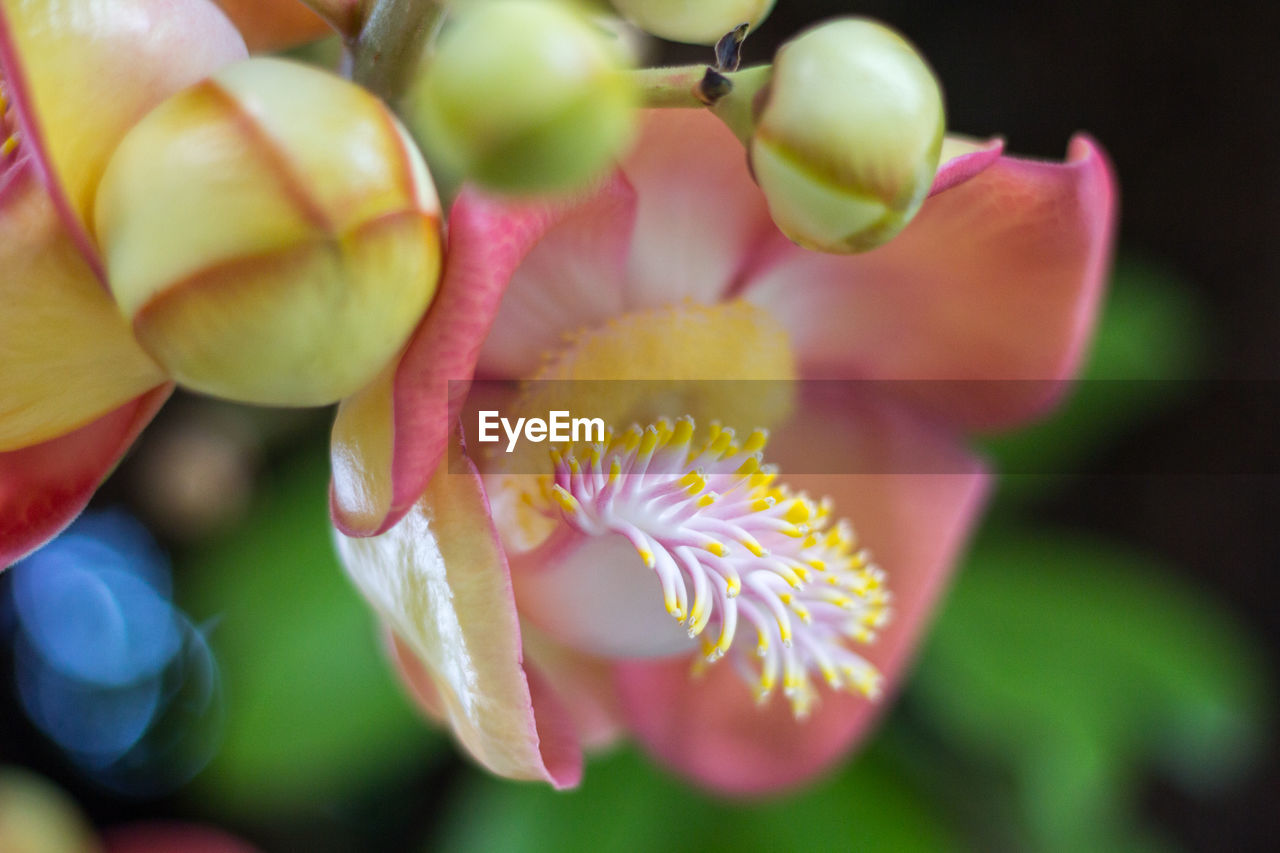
259	230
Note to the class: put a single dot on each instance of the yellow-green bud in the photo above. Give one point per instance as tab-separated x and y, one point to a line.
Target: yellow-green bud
523	96
848	137
694	21
272	233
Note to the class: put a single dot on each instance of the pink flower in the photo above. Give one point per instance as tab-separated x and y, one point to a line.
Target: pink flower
673	270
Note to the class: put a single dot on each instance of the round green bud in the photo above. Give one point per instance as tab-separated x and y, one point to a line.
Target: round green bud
848	136
523	96
694	21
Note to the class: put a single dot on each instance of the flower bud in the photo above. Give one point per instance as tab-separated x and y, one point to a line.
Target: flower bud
694	21
272	234
848	136
523	96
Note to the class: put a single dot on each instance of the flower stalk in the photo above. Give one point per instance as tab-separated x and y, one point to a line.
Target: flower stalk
685	87
384	56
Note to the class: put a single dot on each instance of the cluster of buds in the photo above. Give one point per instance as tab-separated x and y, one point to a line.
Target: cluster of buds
272	235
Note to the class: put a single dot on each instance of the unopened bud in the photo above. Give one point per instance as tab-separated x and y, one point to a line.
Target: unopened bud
272	233
694	21
848	136
523	96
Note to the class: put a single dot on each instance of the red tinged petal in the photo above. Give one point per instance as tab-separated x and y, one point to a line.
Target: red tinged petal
998	278
45	486
710	729
389	437
440	582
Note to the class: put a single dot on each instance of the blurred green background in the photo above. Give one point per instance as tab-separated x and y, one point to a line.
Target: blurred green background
1101	676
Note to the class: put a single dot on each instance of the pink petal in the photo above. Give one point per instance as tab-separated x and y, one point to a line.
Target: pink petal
439	580
915	524
388	438
962	159
998	278
700	214
167	837
45	486
584	685
574	277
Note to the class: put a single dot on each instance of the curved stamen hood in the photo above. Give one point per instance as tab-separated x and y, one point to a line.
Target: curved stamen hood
730	549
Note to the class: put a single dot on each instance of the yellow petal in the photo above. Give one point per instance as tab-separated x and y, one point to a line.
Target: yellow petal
91	68
66	355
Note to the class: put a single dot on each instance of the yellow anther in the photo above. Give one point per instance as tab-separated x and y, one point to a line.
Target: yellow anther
785	598
756	549
10	145
749	466
693	482
615	470
800	511
647	556
648	442
756	441
762	504
706	500
723	440
732	586
574	467
717	548
567	501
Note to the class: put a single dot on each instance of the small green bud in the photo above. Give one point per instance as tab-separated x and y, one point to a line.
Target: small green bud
523	96
848	136
694	21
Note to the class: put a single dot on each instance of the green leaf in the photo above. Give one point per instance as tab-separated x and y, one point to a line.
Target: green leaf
625	804
1077	664
312	712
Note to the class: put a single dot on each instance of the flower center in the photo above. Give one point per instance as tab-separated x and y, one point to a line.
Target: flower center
730	548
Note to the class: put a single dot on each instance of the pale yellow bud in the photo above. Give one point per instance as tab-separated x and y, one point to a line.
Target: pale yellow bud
524	96
694	21
272	233
849	136
36	817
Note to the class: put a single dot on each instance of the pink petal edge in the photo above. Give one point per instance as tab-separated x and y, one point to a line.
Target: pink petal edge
38	154
487	240
956	170
44	487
